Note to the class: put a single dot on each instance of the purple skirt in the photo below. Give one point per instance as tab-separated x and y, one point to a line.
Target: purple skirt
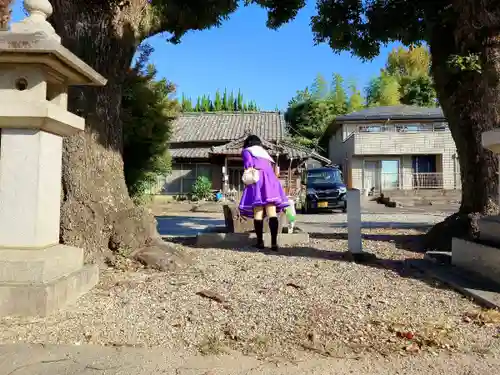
267	190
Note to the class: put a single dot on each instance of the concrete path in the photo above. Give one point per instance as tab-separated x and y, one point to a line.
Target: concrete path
94	360
187	225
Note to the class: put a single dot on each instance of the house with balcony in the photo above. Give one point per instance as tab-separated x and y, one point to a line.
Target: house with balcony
395	148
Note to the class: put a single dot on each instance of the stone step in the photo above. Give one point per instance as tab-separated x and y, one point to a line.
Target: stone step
42	299
476	258
489	227
467	283
439	257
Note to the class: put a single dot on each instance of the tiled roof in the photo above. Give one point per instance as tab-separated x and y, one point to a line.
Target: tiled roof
283	147
221	126
397	112
190	152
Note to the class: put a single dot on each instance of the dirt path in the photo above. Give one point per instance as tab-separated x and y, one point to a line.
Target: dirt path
306	309
89	360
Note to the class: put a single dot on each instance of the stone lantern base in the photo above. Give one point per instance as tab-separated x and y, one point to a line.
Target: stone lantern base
40	282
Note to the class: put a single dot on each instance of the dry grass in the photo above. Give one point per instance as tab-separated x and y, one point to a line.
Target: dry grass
212	345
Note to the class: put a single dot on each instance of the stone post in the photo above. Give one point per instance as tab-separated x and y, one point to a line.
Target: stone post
37	274
354	236
354	221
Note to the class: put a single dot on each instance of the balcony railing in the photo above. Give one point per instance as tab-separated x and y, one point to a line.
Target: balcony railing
380	181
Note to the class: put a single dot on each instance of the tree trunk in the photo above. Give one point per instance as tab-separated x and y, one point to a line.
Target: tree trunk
97	213
471	102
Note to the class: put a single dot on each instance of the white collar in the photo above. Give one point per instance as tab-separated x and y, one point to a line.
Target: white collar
259	152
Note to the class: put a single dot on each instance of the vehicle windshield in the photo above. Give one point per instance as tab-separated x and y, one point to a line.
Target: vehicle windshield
330	176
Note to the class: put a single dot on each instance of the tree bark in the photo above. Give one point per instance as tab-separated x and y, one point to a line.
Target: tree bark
471	102
97	213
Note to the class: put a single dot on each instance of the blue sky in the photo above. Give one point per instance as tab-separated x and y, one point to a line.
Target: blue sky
268	66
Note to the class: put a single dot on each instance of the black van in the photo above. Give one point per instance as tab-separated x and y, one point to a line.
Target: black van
325	190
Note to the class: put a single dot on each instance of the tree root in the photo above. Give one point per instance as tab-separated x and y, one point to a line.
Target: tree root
458	225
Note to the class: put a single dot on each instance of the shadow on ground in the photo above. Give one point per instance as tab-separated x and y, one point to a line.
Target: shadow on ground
406	268
368	225
407	242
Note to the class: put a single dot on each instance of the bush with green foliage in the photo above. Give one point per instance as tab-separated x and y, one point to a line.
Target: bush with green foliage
202	188
148	110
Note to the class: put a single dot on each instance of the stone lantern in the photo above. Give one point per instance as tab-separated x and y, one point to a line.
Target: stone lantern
37	274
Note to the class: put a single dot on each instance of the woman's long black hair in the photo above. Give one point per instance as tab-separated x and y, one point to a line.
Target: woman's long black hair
252	140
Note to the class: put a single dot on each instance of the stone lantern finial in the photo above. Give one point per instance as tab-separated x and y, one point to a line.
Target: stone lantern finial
38	12
38	9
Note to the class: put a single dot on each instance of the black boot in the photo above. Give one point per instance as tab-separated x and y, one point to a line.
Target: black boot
273	228
259	229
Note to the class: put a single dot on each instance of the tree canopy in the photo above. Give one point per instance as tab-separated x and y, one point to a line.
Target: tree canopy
404	80
311	110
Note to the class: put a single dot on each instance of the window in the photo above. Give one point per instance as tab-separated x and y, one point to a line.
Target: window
409	128
323	176
440	126
371	128
184	175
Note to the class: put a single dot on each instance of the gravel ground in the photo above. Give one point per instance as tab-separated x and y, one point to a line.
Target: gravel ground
303	300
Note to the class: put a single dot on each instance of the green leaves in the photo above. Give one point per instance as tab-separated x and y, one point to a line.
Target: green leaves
202	188
356	101
405	80
310	112
383	91
418	91
279	12
148	109
177	17
226	103
467	63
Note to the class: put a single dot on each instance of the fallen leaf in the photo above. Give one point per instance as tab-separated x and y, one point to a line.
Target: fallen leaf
214	296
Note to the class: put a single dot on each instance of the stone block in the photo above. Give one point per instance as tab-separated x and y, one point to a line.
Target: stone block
476	258
236	223
39	265
489	229
41	299
239	240
30	188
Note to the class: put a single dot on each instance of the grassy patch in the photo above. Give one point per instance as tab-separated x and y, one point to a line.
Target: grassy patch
212	345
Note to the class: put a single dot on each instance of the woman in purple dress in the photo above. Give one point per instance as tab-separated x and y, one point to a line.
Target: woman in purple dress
266	197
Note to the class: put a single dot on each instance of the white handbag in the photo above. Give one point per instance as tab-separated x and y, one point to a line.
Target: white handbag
250	176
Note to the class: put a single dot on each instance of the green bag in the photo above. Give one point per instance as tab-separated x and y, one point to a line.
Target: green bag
290	213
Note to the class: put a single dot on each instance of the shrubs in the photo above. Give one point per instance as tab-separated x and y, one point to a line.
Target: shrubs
202	189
